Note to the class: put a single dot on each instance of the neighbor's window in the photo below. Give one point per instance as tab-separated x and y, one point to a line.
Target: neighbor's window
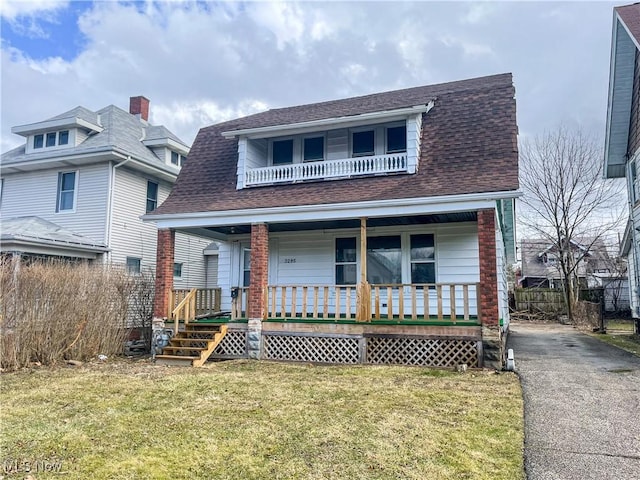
313	150
66	191
423	259
346	266
397	139
133	265
384	260
177	270
63	137
51	139
177	159
38	141
282	152
152	196
363	143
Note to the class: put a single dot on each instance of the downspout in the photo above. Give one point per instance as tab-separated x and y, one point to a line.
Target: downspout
112	182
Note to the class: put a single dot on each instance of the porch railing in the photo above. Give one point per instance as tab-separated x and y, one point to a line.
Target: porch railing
403	302
294	172
208	301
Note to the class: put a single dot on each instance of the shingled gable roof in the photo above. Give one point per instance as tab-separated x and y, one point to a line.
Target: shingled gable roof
630	16
469	145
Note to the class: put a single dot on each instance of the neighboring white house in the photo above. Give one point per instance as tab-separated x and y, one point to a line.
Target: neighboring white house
622	140
81	181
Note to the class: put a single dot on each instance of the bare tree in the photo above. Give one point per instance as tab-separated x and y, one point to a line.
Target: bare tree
566	200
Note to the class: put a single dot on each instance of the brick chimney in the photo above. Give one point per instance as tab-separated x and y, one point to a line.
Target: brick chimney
139	106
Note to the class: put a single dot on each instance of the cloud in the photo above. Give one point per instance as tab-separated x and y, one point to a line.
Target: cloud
204	62
13	9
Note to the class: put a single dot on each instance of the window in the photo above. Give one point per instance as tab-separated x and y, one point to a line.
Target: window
63	137
66	191
384	260
313	150
346	266
397	139
282	152
246	267
423	259
363	143
133	265
177	270
152	196
51	139
177	159
635	185
38	141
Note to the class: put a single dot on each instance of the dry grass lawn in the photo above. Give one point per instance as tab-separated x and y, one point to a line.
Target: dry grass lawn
260	420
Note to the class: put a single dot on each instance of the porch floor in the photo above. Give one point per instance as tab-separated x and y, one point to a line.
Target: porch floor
420	320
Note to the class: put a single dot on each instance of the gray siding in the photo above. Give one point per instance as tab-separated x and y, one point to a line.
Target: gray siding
130	236
35	194
337	144
188	251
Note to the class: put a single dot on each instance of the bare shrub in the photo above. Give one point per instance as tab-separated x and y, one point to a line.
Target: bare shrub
53	311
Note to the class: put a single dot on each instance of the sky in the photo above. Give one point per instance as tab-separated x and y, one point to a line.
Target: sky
203	62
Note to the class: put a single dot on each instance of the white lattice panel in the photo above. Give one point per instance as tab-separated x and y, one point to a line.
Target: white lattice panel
233	345
310	349
421	351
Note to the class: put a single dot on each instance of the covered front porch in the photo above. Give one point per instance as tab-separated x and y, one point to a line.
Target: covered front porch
422	288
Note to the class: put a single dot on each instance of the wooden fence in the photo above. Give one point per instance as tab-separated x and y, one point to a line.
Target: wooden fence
540	299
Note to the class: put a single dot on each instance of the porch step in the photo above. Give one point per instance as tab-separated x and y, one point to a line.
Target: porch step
212	337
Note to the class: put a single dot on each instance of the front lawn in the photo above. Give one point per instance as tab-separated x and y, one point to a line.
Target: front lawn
260	420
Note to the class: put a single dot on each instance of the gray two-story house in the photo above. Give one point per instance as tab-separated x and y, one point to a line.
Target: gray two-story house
77	187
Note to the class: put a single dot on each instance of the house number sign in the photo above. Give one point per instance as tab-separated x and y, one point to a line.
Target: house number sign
289	260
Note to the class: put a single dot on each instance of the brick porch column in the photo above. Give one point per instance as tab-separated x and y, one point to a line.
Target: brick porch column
258	283
491	333
164	273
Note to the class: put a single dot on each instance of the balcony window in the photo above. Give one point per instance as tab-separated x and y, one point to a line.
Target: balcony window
363	143
397	139
283	152
313	149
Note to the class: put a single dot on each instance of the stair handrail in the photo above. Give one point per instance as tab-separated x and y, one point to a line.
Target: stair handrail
188	305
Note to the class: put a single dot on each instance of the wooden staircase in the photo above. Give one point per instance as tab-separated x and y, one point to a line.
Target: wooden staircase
193	345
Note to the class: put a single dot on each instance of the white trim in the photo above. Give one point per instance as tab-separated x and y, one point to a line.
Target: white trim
336	211
301	127
55	124
167	142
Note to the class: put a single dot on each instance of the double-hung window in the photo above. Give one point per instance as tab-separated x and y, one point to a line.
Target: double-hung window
313	149
177	270
423	259
397	139
346	266
133	265
363	143
152	196
282	152
66	191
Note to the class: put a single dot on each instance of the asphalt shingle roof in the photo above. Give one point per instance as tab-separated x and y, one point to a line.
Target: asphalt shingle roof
469	145
630	15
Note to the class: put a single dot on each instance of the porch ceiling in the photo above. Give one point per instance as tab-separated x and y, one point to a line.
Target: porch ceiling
352	223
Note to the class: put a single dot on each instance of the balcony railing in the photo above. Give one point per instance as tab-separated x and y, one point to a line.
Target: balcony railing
297	172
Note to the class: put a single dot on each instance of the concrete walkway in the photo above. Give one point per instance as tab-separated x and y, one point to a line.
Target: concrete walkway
582	404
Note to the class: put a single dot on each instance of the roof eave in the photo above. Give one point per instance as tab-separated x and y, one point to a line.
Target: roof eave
69	122
301	127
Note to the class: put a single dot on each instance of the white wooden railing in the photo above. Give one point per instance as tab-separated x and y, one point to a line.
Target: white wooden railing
296	172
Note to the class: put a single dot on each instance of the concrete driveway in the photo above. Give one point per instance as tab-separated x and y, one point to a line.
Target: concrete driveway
582	404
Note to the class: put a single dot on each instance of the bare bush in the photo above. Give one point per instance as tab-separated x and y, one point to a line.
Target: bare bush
55	311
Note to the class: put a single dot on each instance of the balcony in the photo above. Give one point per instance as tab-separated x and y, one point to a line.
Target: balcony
345	168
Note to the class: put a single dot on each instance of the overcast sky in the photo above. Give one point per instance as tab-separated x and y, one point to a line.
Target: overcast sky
204	62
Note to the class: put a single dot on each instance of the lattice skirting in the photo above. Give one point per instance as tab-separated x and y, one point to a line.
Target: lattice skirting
320	349
422	351
385	350
233	345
